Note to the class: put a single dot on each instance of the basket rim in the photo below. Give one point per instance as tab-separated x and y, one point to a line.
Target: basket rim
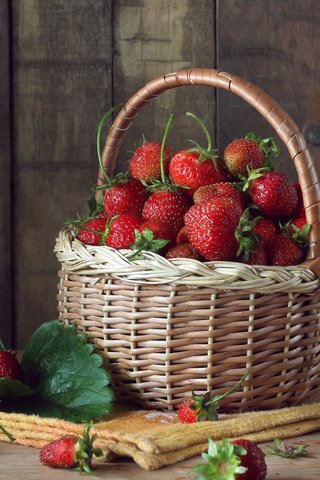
152	268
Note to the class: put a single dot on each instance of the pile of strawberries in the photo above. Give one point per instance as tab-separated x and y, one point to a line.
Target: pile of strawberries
193	204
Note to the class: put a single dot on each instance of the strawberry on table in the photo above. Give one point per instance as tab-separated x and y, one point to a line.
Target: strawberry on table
71	452
197	166
145	162
232	460
211	228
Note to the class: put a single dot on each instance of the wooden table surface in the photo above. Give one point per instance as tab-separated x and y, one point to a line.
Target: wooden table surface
19	462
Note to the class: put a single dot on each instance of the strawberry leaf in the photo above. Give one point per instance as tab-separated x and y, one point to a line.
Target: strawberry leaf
68	378
10	388
282	449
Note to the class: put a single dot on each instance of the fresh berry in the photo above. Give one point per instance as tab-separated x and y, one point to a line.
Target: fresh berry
166	206
299	211
273	193
232	460
253	461
121	230
9	366
153	236
297	224
286	252
92	230
182	236
197	166
242	155
201	408
266	231
184	250
211	228
127	196
145	162
71	451
221	189
258	256
160	230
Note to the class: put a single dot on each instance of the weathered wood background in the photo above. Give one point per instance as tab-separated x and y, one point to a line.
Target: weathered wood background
64	63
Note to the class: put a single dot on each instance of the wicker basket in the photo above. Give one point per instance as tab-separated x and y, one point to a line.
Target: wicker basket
172	327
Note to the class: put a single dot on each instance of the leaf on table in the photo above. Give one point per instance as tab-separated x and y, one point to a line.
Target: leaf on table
282	449
68	378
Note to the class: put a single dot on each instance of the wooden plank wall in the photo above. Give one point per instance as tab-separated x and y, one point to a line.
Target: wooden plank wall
72	60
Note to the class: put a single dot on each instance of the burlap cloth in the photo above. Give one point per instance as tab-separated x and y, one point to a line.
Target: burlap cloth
154	439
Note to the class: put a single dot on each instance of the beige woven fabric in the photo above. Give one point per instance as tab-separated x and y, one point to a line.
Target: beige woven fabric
155	439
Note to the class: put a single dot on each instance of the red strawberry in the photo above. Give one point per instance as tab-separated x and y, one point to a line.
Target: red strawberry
161	230
243	154
92	230
258	256
9	366
182	236
273	193
197	166
297	224
236	460
127	196
186	414
154	236
211	228
184	250
166	206
145	162
121	230
222	189
253	461
299	211
286	252
266	231
71	451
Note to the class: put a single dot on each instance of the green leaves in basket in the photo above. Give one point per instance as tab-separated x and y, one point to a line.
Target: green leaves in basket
68	379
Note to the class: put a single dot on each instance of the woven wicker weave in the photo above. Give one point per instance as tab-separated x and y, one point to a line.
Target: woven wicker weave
172	327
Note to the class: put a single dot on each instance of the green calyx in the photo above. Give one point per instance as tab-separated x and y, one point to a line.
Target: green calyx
86	450
108	182
282	449
247	239
204	153
267	146
145	241
299	235
206	407
222	461
245	183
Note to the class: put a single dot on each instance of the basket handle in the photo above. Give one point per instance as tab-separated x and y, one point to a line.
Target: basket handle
282	123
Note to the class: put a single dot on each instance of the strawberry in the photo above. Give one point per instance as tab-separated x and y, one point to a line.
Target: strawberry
92	230
258	256
160	230
154	236
201	408
184	250
9	365
299	211
211	228
182	236
221	189
120	231
232	460
273	193
166	206
266	231
197	166
124	196
297	224
71	451
145	162
286	252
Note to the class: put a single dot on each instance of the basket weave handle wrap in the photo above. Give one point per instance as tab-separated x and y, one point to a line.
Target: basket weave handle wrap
282	123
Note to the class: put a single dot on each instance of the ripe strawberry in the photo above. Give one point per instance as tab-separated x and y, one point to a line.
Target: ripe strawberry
166	206
71	451
286	252
92	230
211	228
184	250
182	236
154	236
126	196
273	193
221	189
197	166
242	154
297	224
160	230
266	231
120	232
253	461
201	408
236	460
258	256
9	366
299	211
145	162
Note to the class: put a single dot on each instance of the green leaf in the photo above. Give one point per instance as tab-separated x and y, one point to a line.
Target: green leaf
282	449
68	378
10	388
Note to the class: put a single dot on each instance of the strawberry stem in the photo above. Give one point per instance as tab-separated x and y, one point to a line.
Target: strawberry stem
2	349
7	434
204	128
100	127
163	144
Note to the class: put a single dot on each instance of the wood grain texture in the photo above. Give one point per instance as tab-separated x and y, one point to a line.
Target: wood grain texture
62	86
6	325
153	38
23	462
275	47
